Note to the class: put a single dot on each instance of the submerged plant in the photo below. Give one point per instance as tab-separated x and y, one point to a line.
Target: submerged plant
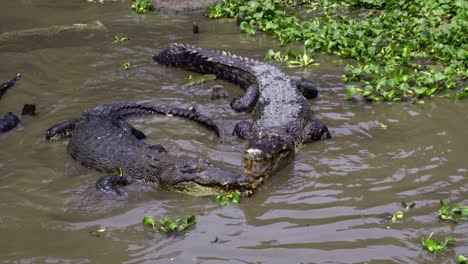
433	245
142	6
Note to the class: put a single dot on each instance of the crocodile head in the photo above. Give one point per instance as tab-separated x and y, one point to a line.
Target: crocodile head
199	177
267	153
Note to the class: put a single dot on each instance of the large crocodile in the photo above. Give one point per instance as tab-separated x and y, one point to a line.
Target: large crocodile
283	118
10	120
102	139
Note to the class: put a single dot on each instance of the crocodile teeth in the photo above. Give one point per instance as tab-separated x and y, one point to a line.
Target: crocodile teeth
224	53
209	59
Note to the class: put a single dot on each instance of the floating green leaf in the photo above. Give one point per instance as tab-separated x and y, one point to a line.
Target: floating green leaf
149	220
118	39
398	215
454	213
167	225
434	245
142	6
126	65
462	259
226	199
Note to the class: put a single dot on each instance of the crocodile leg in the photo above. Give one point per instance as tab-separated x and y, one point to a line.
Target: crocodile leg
246	102
159	148
4	86
315	131
109	184
9	122
243	130
61	130
307	88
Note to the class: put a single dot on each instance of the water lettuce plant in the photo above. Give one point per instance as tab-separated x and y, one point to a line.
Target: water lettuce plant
399	50
433	245
168	226
454	213
142	6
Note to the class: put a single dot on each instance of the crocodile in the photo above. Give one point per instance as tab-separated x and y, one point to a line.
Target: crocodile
10	120
283	117
102	139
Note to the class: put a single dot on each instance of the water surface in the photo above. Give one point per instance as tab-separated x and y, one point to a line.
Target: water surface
331	205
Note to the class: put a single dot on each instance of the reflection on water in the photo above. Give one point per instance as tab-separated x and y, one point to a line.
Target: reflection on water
332	205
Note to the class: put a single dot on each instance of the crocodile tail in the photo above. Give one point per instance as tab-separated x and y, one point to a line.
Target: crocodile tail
127	110
4	86
226	66
197	117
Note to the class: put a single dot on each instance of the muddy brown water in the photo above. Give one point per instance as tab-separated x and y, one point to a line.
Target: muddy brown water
331	205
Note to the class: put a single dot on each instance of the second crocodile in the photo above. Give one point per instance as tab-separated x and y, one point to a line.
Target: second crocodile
102	139
283	118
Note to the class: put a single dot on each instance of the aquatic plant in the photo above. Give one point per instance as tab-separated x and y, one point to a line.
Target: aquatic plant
462	259
142	6
168	226
404	50
126	65
398	215
454	213
433	245
226	199
118	39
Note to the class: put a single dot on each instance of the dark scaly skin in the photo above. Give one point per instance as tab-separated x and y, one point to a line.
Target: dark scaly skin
10	120
102	139
283	118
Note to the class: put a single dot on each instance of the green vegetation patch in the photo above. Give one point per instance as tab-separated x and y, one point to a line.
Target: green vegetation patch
454	213
142	6
433	245
169	226
398	215
399	49
462	259
226	199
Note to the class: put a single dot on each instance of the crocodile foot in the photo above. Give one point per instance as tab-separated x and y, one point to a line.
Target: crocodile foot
9	122
109	184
